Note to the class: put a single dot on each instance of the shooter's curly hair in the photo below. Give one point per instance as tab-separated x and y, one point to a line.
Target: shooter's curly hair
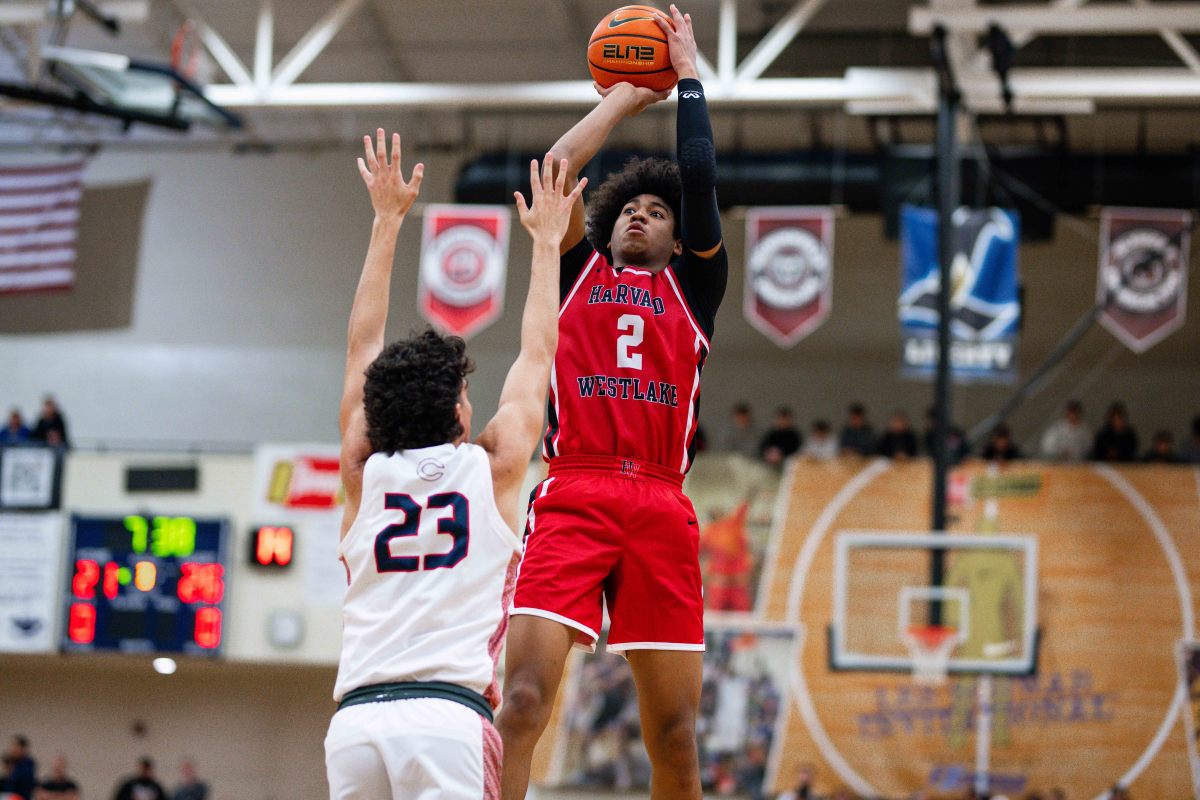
411	390
656	176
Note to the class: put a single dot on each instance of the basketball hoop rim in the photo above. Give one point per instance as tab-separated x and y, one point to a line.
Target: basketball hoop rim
932	637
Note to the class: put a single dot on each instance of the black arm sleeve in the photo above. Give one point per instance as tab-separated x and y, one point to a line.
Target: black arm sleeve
701	222
570	264
703	279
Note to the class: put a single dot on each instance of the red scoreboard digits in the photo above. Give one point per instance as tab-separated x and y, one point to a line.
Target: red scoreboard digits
271	546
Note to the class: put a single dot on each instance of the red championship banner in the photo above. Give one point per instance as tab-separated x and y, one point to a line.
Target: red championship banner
789	271
464	252
1143	273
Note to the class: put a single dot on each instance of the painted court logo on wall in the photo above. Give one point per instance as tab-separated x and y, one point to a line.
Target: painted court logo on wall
789	271
1143	273
464	251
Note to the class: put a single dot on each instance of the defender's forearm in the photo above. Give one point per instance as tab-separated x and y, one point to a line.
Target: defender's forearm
368	315
539	323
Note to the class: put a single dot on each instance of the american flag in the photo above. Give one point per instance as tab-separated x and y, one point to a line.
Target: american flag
39	218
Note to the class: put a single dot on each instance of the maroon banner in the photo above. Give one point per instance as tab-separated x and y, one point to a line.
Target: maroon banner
1143	273
464	252
789	271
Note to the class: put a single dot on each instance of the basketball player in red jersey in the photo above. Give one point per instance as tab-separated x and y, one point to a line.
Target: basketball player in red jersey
610	524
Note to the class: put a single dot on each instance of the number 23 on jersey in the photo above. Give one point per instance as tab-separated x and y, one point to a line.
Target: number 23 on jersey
450	510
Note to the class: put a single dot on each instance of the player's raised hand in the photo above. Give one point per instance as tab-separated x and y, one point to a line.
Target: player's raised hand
547	216
681	41
391	195
635	98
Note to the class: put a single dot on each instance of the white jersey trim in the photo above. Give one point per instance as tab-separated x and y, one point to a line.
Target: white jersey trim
686	308
587	267
507	534
550	615
620	648
688	429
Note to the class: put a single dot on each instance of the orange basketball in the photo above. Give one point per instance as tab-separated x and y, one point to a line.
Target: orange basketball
629	46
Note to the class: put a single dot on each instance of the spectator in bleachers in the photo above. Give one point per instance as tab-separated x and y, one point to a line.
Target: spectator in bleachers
190	787
782	440
51	422
898	441
59	786
20	770
956	438
16	431
804	786
1162	449
1000	446
1067	439
741	436
1190	453
821	446
857	437
143	785
1117	440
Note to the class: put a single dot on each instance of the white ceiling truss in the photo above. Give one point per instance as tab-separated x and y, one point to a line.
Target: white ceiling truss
892	91
267	82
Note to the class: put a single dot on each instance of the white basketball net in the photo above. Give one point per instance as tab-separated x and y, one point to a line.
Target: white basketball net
930	648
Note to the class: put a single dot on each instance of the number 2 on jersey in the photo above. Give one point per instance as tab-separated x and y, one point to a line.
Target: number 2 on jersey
456	526
625	344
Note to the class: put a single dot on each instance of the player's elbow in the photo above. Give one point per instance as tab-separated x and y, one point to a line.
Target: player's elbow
557	154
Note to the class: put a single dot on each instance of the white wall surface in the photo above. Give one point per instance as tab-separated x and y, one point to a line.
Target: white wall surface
95	484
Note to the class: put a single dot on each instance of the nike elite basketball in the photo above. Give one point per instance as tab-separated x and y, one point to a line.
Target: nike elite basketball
629	46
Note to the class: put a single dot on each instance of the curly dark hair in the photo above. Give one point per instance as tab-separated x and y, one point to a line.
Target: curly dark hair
656	176
411	391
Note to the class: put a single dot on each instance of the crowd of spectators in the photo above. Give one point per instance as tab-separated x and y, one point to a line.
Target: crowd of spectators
50	429
1067	439
19	779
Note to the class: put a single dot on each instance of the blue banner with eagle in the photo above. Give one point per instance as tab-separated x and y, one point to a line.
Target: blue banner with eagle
985	304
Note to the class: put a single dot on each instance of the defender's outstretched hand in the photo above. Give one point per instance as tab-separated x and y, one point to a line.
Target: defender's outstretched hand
681	42
391	195
547	218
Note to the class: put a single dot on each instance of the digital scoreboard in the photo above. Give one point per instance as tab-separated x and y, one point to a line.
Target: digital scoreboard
143	584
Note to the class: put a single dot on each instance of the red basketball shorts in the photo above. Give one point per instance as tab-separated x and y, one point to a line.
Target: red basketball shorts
616	531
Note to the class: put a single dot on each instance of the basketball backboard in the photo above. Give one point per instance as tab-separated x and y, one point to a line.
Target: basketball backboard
882	591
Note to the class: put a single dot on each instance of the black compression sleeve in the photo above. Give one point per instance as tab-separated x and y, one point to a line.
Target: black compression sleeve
701	223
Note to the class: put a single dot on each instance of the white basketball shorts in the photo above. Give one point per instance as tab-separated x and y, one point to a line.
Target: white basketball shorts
417	749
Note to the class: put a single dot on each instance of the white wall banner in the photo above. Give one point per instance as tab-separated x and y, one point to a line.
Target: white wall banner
29	477
31	589
300	485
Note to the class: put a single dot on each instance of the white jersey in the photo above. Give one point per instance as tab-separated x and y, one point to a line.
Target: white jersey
432	565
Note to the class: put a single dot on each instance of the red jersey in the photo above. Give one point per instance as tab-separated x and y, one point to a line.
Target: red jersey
631	347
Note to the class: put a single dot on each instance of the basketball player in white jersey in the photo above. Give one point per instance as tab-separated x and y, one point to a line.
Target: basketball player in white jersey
428	538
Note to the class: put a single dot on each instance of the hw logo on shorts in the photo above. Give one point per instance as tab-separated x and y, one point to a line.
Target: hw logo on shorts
629	468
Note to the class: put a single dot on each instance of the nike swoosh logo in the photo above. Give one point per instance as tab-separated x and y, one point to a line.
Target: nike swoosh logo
616	23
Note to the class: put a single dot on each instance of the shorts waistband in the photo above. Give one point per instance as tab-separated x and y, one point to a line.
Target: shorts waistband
616	466
409	690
